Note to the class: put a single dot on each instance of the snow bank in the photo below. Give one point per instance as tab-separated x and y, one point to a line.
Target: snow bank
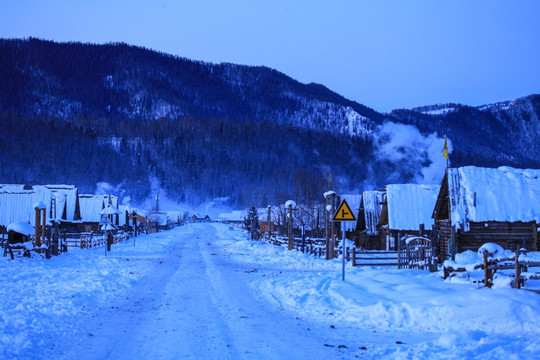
384	299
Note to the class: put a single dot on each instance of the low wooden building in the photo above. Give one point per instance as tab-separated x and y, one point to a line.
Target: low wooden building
478	205
407	211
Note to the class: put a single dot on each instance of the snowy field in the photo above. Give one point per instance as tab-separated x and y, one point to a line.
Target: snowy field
205	291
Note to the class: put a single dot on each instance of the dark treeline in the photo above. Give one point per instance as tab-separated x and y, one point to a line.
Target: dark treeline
193	159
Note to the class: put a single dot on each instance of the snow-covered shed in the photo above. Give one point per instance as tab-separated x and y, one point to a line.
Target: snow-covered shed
499	205
17	203
407	208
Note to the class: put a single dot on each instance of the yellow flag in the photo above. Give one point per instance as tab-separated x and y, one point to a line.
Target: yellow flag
445	149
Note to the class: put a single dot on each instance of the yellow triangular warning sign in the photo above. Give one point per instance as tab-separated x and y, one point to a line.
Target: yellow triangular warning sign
344	213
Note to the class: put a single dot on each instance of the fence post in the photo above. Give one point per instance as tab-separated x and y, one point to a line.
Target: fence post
289	229
518	270
487	275
398	247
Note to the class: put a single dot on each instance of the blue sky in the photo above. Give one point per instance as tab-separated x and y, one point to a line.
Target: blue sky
383	54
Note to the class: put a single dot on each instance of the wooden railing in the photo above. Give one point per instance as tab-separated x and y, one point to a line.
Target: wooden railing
491	266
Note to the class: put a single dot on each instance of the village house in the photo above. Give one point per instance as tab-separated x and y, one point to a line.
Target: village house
407	210
477	205
91	207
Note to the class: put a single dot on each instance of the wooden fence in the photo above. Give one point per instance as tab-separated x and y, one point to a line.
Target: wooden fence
418	253
491	266
91	240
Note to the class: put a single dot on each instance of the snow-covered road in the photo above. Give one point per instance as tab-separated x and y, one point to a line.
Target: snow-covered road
196	303
204	291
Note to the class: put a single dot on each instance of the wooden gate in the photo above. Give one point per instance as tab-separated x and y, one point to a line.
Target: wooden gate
420	253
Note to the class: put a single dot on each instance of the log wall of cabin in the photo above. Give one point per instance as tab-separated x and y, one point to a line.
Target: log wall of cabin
371	242
445	233
510	236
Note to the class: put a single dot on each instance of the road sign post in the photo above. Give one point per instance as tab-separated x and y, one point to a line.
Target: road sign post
343	252
343	213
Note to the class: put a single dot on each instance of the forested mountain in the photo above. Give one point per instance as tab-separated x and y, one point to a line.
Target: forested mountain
489	135
82	114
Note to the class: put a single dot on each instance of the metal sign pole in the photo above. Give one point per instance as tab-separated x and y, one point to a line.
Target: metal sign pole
343	213
343	251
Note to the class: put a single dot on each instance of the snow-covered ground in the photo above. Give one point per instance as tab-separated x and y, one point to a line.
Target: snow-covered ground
206	291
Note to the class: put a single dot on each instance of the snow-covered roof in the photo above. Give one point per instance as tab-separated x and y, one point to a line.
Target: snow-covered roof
354	202
372	201
238	215
410	205
110	210
66	198
21	227
17	202
160	218
487	194
91	205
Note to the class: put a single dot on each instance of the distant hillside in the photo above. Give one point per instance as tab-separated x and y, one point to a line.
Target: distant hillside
137	119
489	135
119	81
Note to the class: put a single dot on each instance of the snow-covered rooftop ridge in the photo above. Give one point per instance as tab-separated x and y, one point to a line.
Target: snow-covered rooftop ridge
410	205
487	194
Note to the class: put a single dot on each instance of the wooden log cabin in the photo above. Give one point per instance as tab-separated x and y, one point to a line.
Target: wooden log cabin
479	205
408	209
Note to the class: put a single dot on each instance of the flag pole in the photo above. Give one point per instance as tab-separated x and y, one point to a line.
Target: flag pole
445	151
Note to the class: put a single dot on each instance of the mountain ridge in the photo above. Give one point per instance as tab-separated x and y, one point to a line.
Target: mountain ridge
186	125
